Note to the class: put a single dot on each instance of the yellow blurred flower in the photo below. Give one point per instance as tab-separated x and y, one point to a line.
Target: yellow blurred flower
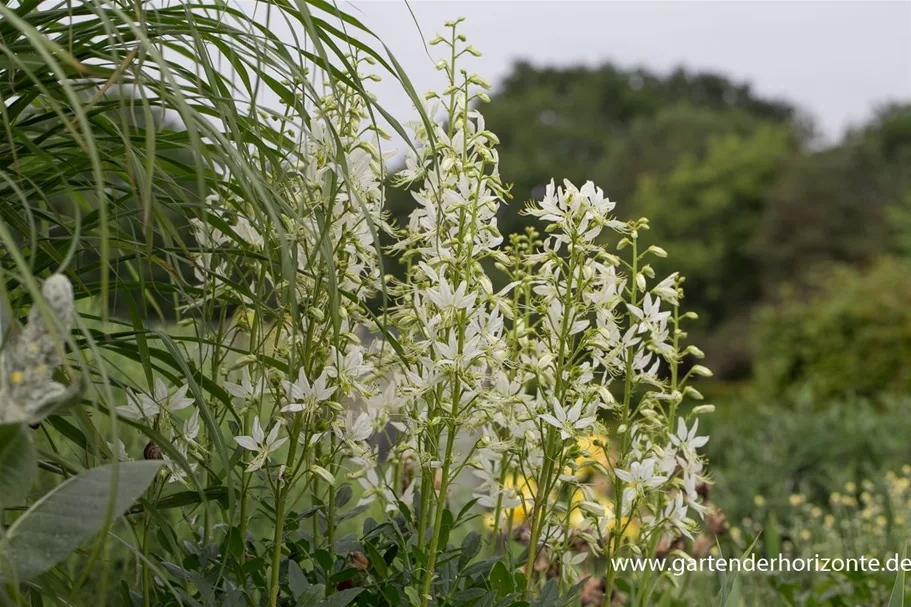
593	453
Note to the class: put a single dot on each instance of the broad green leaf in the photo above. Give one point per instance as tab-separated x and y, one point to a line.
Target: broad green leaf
501	580
296	579
340	599
70	514
311	596
17	464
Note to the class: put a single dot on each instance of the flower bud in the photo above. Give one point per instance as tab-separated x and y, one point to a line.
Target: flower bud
693	393
701	371
694	351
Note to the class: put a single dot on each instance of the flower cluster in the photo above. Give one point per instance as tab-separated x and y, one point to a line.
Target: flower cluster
577	356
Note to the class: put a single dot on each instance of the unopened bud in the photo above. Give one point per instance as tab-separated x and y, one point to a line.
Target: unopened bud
701	371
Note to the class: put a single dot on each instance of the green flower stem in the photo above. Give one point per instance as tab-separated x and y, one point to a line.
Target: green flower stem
627	394
282	497
494	544
438	515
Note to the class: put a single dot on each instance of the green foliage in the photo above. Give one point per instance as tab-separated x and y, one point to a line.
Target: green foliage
581	112
70	514
849	331
706	209
809	447
17	464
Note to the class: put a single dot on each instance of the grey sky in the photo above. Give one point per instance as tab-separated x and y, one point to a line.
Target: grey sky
836	60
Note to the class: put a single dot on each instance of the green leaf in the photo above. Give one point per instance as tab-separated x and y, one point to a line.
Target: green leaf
414	599
376	560
340	599
898	589
311	596
17	464
445	527
471	546
730	587
343	496
500	580
549	595
772	537
70	514
296	579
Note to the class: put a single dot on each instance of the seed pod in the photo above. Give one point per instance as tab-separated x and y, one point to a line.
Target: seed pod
152	451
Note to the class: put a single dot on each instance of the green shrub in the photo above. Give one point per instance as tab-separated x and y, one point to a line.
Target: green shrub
846	331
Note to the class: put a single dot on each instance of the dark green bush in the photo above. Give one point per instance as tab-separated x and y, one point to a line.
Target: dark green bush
846	331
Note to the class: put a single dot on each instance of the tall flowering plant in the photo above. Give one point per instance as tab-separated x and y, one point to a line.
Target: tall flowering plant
306	362
576	363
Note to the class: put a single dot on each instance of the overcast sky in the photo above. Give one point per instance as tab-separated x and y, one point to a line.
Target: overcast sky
835	60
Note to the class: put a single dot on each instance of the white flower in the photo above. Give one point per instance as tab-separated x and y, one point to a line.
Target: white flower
666	289
650	315
142	406
675	514
640	478
260	444
191	427
246	389
446	298
687	441
120	451
245	230
304	395
568	422
356	430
